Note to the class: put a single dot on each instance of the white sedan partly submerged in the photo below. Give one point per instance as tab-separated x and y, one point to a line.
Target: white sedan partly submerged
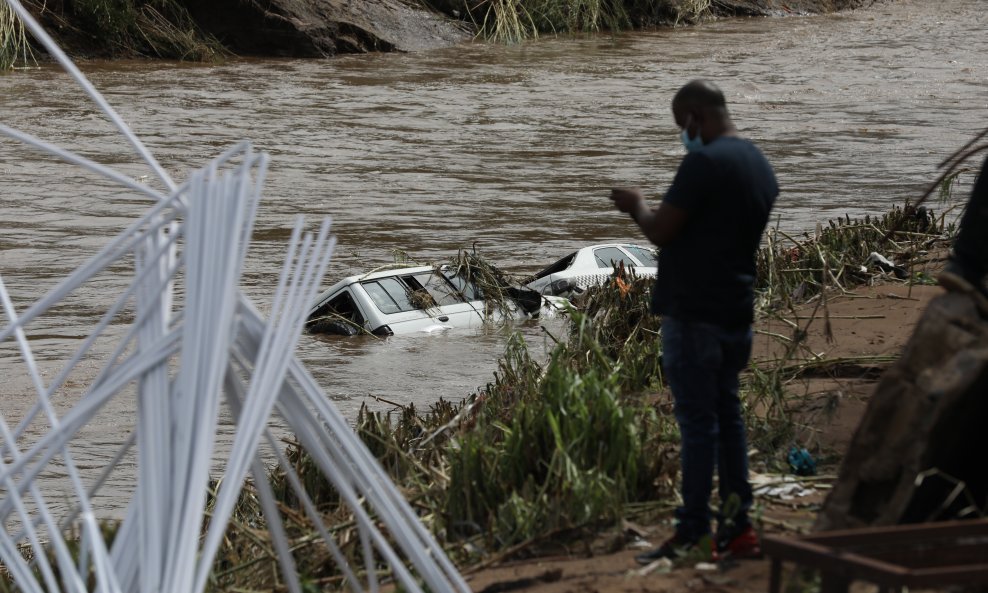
591	266
408	300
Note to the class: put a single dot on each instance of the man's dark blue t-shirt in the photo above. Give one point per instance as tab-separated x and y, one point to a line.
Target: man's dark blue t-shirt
707	273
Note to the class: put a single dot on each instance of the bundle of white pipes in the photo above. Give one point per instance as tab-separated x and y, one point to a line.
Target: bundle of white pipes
185	358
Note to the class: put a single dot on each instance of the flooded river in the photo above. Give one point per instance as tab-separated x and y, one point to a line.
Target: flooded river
509	149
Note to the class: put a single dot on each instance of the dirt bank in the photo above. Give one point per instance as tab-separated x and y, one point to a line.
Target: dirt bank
784	7
320	28
191	29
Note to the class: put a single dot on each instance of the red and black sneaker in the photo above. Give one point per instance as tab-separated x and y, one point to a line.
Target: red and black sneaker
745	544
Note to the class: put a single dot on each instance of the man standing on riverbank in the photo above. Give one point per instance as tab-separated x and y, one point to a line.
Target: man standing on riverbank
709	226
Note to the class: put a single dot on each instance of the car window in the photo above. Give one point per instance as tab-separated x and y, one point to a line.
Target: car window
389	294
645	256
341	306
441	291
606	255
467	289
559	266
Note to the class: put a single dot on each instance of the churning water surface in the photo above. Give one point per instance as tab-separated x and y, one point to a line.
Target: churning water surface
506	149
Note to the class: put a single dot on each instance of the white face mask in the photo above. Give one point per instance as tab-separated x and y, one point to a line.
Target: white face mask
691	144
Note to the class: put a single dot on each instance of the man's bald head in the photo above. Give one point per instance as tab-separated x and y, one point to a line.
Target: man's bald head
700	108
699	94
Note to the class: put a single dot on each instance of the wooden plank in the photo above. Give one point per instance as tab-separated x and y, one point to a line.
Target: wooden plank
899	533
947	553
826	559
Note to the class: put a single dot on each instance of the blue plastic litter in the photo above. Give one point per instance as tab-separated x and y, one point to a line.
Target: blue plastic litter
801	462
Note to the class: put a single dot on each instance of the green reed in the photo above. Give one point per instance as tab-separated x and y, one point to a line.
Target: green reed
14	45
507	21
565	451
165	29
119	28
512	21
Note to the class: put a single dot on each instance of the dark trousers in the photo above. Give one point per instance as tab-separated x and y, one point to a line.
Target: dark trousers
971	244
701	362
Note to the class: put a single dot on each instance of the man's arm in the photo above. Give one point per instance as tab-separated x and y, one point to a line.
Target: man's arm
661	225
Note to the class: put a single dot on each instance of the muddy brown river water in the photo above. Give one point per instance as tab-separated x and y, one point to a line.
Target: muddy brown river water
509	149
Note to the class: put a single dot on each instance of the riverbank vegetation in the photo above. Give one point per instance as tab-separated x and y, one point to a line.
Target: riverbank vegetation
196	31
109	28
14	46
517	20
558	451
165	28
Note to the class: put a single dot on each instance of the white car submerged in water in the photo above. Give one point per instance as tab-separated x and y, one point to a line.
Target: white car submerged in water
409	300
591	266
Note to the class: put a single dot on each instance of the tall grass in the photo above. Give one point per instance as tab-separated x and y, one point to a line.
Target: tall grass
691	10
511	21
507	21
557	446
145	28
14	45
167	31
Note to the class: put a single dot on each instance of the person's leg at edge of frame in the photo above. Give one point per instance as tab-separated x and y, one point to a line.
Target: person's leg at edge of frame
691	355
735	536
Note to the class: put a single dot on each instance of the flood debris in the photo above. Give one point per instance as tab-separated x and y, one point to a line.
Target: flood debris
847	252
784	488
877	260
801	461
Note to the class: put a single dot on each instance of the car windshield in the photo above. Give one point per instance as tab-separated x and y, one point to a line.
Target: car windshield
439	289
468	289
608	257
559	266
389	294
645	256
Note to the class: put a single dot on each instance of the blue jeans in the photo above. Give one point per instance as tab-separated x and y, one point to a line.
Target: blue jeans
701	362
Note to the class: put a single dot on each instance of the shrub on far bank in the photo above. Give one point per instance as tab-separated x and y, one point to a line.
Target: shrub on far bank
511	21
114	28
